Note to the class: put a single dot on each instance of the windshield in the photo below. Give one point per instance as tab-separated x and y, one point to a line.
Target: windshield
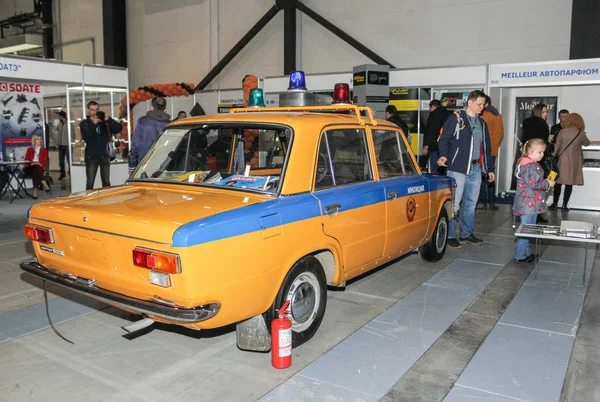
242	157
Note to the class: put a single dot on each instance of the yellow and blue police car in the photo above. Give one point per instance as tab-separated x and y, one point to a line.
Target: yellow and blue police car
229	216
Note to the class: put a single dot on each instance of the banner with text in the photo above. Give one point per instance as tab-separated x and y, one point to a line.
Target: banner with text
21	105
538	74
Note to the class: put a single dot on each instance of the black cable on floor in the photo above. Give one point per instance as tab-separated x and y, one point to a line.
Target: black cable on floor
48	315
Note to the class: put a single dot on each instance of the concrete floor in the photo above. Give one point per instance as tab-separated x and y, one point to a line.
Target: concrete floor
362	323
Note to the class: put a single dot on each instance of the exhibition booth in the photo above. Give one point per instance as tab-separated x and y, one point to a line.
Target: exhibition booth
33	91
573	85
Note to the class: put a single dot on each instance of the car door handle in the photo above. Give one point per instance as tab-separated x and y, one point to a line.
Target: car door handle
392	195
332	209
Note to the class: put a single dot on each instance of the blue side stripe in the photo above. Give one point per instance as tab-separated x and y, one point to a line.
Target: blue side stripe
295	208
352	196
246	220
439	182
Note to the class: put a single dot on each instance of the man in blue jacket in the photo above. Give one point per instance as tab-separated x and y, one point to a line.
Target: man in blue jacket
465	148
146	131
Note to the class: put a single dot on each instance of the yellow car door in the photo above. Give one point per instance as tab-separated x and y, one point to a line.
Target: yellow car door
407	192
352	203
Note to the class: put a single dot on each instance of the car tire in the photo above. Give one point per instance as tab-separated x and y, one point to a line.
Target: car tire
435	248
306	288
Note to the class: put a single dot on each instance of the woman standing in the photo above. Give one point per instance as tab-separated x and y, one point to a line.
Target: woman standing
535	126
570	162
38	156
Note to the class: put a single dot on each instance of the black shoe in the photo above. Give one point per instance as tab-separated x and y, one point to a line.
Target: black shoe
552	207
564	208
471	239
528	259
493	207
62	176
454	243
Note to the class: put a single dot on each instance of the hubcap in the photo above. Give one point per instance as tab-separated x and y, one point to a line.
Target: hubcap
441	235
304	300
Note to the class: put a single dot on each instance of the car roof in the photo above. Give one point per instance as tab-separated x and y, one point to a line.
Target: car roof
287	118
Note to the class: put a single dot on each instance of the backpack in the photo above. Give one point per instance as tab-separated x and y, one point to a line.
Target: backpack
457	129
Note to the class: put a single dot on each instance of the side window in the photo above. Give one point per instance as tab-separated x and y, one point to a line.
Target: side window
393	158
343	158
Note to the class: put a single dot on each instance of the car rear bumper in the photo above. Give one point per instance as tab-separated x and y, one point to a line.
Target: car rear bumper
178	315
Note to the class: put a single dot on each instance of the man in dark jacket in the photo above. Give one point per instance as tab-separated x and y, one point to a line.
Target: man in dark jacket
391	115
146	131
465	148
97	130
557	127
437	116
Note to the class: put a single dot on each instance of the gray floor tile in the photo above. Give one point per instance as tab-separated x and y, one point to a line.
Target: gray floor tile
19	322
545	309
465	276
489	252
433	297
462	394
562	279
520	363
497	237
301	388
371	360
439	309
571	253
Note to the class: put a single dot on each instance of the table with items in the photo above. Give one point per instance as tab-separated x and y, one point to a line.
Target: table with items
579	232
9	171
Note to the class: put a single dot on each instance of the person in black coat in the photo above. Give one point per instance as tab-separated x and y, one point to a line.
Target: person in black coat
97	131
391	115
535	126
437	116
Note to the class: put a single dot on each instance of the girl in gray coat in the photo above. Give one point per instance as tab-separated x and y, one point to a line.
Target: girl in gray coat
530	195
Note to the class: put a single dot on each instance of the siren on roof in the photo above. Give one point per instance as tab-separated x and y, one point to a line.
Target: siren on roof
256	98
341	94
298	95
297	81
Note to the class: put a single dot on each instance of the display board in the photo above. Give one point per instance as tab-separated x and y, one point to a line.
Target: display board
22	108
523	107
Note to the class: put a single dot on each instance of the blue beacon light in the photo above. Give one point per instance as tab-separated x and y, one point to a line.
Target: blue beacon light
256	98
297	81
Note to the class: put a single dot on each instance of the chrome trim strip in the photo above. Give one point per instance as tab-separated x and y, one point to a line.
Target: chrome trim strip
178	314
97	231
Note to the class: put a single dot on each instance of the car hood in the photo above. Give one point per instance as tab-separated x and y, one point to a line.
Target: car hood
145	211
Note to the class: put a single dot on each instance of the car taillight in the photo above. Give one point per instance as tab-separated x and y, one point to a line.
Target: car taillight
156	260
39	233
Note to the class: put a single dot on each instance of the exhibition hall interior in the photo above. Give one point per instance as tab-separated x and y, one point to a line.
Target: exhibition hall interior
299	200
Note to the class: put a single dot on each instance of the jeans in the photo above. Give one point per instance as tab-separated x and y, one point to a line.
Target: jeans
91	168
467	191
63	155
523	248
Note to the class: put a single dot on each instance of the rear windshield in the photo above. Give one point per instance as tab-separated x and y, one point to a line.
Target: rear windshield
241	157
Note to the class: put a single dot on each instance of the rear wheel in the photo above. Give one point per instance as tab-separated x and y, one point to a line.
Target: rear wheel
435	248
306	289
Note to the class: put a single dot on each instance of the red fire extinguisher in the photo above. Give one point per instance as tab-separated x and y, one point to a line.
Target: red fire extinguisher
281	339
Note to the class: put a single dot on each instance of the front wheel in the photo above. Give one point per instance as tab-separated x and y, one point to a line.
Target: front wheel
435	248
306	289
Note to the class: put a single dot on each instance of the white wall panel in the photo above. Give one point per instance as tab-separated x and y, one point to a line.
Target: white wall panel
78	20
171	41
